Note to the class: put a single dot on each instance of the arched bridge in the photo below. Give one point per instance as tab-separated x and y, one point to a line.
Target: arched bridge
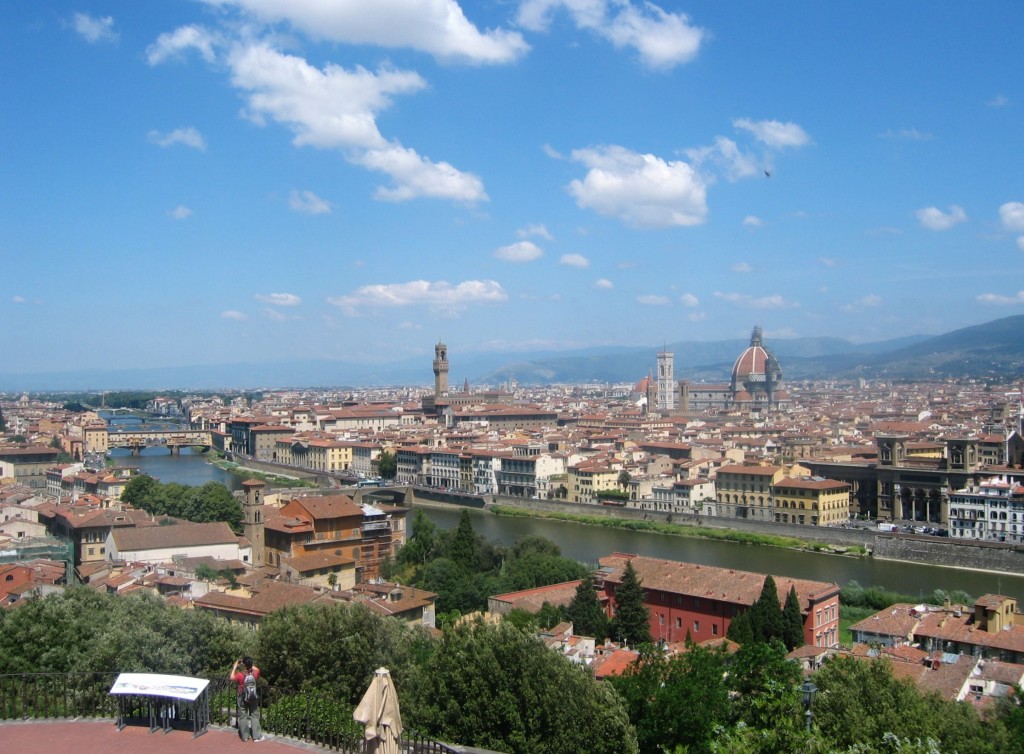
174	439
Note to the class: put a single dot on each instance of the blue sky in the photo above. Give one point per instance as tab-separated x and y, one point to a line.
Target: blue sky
203	182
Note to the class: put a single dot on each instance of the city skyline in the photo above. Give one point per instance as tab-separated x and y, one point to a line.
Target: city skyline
259	180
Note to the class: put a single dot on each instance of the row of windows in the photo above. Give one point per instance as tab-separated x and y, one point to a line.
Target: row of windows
696	625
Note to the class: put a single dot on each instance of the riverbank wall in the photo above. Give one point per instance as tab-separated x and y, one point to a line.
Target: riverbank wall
983	556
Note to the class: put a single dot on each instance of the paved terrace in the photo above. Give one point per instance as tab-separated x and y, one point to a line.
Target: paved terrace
100	736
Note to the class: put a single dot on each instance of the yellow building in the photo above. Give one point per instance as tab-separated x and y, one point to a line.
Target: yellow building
811	500
589	478
746	491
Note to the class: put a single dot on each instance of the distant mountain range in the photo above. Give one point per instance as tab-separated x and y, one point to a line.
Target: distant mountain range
994	349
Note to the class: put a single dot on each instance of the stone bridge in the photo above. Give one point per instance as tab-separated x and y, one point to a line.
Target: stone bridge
174	439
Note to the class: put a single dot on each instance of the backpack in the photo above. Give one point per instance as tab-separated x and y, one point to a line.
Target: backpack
249	689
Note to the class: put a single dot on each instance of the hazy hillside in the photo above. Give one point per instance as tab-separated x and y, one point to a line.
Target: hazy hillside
992	349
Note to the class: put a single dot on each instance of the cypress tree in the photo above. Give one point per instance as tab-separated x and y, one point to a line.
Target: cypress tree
740	630
632	621
792	621
586	613
766	613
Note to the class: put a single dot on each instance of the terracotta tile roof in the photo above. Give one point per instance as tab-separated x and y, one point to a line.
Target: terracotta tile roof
615	663
177	535
722	584
318	560
264	598
533	600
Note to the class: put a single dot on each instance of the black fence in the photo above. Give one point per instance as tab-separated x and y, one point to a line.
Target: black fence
312	717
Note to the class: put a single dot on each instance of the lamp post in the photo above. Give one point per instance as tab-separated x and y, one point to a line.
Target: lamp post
808	690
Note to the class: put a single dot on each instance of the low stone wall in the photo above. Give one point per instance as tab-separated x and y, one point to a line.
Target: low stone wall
908	547
958	554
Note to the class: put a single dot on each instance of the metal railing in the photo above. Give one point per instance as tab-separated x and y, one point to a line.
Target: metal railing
313	717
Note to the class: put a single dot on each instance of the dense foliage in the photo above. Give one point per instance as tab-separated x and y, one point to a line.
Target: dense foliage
387	465
632	621
499	688
82	631
210	502
464	569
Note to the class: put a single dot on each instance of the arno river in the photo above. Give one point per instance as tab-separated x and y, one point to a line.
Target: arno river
588	543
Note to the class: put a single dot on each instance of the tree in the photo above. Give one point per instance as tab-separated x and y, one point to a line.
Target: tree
498	688
766	613
387	465
3	421
336	648
764	685
632	621
422	544
624	479
860	703
676	703
585	611
792	621
740	630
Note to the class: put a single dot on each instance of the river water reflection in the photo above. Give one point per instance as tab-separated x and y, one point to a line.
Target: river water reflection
588	543
187	468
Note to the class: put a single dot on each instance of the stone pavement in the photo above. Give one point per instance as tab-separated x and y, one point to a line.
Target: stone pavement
94	736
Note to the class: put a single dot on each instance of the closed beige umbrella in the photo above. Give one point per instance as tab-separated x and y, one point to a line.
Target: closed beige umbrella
379	711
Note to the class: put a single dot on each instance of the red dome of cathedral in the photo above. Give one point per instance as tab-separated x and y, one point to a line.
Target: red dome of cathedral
756	375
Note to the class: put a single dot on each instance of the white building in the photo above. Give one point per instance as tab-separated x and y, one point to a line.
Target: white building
161	544
992	511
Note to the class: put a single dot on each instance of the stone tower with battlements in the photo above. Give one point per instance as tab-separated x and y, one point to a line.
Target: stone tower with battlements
252	519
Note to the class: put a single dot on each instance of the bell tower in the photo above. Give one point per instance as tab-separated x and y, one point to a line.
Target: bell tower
440	371
252	519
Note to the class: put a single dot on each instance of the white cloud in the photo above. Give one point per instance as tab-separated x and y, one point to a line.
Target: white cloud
279	299
995	298
728	157
603	284
1011	215
741	267
93	29
752	221
870	301
688	299
998	101
334	108
521	251
181	212
653	300
662	39
172	44
437	27
308	203
934	218
189	137
697	316
575	260
440	296
774	133
540	230
17	299
235	315
1020	242
553	153
911	134
642	190
410	326
829	261
765	302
